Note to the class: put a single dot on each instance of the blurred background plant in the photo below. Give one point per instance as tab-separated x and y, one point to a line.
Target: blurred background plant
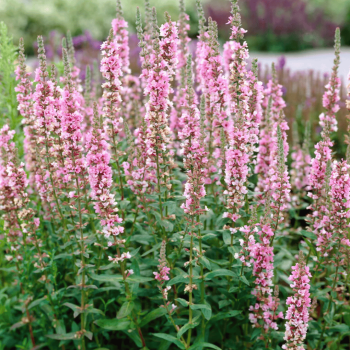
273	25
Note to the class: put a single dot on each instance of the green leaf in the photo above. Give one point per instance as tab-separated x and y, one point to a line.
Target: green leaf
232	250
199	307
168	226
341	328
187	326
75	308
178	279
171	205
219	272
222	315
88	335
244	280
135	337
308	234
206	309
124	203
36	302
61	336
223	303
62	256
205	262
227	237
106	278
183	302
139	279
170	338
155	248
125	309
92	310
204	345
113	324
208	236
256	332
311	246
153	315
135	251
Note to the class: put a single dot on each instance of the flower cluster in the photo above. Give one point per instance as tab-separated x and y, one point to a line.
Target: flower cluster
111	69
158	87
261	256
331	224
20	224
245	98
195	156
163	274
269	158
298	313
121	38
331	96
181	55
301	161
100	178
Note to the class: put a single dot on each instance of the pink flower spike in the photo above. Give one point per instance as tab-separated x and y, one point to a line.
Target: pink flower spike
298	310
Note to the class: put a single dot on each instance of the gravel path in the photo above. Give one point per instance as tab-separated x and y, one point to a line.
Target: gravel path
317	59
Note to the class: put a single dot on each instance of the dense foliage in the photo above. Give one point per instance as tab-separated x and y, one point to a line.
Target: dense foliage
164	213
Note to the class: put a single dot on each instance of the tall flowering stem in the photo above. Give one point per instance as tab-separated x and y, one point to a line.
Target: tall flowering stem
111	69
269	142
332	230
201	46
121	36
195	162
279	182
300	171
101	183
261	252
100	179
215	84
195	156
163	63
75	170
245	97
24	91
328	123
347	137
19	224
235	59
298	310
46	124
182	53
162	276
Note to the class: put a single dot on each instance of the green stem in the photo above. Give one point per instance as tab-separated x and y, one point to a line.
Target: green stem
202	279
190	313
330	301
129	297
158	185
82	252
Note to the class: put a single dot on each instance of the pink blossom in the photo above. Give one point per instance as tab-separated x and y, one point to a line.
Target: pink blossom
298	310
111	69
163	62
100	179
120	32
195	156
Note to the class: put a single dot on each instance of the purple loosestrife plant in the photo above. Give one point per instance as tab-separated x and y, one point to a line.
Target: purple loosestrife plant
136	210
